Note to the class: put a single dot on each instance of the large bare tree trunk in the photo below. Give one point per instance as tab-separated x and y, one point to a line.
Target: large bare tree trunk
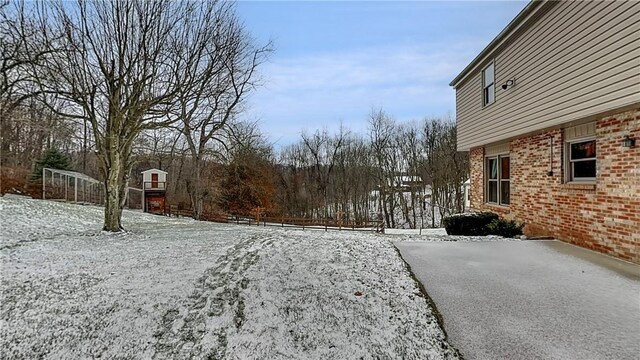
116	167
195	190
112	210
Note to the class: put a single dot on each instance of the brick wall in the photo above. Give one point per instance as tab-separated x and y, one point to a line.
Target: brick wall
476	164
603	217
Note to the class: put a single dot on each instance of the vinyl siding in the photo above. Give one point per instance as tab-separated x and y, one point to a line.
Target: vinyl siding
573	61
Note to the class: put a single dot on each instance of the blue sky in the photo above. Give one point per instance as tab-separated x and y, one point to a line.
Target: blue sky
336	60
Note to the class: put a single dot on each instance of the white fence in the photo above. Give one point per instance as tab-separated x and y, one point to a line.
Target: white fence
71	186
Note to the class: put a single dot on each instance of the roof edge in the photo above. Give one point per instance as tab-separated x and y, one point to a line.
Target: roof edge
515	24
153	169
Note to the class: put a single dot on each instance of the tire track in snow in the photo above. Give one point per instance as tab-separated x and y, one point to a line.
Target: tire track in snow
214	310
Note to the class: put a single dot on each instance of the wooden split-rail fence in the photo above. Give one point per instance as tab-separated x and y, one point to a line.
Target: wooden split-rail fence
259	219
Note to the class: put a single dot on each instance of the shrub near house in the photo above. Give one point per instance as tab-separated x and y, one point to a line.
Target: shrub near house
481	224
469	224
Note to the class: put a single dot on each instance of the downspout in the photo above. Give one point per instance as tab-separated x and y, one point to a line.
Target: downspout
550	170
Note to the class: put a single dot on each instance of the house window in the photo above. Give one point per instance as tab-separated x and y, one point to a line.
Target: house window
581	160
498	180
489	91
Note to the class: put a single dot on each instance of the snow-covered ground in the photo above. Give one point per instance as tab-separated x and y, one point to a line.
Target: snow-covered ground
177	288
421	232
438	235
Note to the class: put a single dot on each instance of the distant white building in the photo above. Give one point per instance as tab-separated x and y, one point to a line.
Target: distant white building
405	183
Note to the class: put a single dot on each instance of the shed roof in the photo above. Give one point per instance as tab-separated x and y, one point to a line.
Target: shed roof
154	170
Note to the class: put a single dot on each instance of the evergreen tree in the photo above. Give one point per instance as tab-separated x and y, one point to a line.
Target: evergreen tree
53	159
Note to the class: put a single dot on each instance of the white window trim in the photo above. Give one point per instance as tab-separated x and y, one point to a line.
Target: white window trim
569	178
484	86
498	157
489	180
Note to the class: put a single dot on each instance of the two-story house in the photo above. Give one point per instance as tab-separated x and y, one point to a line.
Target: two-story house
550	114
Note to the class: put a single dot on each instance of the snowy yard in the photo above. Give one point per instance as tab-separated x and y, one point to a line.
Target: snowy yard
176	288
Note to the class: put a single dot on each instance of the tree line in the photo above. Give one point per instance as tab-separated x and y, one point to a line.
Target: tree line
402	173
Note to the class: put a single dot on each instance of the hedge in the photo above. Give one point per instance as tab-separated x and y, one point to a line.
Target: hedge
469	224
481	224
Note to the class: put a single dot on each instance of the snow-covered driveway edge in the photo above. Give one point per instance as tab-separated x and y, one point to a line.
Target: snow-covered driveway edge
447	238
432	306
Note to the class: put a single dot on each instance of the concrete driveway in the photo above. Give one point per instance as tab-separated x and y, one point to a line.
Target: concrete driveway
531	299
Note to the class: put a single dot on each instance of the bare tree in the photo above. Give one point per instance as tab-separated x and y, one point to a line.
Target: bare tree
353	179
323	151
220	62
30	130
21	47
118	65
381	128
294	180
407	155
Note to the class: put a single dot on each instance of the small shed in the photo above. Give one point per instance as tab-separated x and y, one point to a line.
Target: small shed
154	185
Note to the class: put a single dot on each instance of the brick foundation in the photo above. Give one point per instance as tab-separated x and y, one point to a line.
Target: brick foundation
604	216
